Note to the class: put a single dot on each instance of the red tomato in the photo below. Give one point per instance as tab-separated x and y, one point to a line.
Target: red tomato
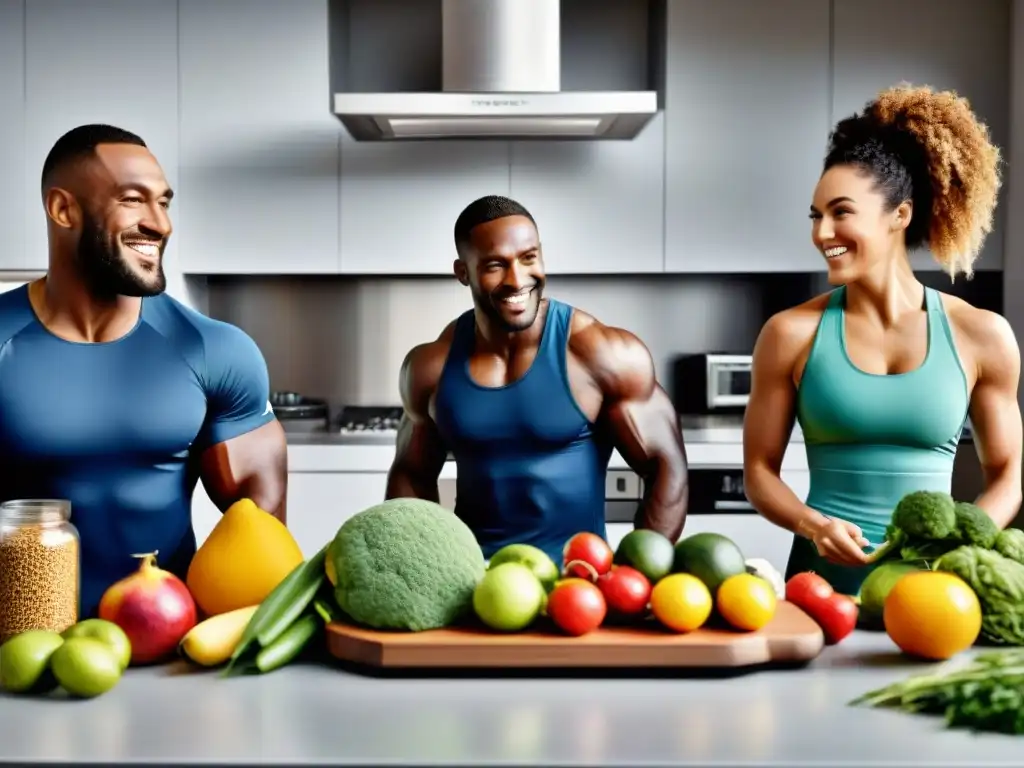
837	615
576	606
806	589
625	590
591	549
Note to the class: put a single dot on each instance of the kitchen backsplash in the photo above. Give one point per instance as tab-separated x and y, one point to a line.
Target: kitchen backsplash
344	338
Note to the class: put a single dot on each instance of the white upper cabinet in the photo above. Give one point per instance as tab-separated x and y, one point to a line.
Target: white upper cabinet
259	146
747	116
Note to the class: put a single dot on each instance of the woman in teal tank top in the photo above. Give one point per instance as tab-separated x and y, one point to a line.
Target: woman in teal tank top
882	372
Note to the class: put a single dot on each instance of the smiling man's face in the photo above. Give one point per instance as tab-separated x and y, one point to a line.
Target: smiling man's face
504	270
124	199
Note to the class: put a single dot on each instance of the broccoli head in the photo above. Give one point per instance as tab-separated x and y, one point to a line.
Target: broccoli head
974	526
926	515
406	564
1010	543
919	521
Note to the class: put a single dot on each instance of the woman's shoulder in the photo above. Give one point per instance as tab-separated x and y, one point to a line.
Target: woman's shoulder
789	333
981	327
799	321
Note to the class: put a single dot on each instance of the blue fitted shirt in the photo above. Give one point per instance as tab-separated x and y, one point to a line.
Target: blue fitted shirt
117	428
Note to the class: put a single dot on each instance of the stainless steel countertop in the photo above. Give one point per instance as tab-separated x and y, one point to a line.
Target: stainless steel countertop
308	714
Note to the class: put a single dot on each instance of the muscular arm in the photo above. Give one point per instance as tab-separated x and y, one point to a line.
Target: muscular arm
251	466
642	421
419	451
242	448
768	424
996	417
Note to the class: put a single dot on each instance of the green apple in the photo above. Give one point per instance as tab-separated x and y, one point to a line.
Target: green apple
532	557
25	662
107	632
509	597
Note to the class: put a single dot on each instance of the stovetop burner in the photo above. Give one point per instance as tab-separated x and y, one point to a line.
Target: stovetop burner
360	419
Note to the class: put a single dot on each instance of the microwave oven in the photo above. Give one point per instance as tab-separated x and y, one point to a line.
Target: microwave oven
710	383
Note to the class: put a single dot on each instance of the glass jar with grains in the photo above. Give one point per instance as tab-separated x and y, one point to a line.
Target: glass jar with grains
39	566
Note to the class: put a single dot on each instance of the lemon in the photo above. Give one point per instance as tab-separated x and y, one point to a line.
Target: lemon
681	602
86	667
746	601
25	661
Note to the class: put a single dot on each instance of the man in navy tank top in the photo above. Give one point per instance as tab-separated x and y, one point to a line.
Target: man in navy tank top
531	396
115	396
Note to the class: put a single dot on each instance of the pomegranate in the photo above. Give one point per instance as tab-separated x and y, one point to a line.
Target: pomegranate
153	607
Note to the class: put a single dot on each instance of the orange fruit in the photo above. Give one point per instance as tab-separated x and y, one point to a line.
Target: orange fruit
932	615
746	601
681	602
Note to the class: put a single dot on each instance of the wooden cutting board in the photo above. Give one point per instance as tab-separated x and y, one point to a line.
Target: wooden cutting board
791	636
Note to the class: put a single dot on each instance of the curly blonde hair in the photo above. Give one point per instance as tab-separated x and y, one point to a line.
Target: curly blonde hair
928	147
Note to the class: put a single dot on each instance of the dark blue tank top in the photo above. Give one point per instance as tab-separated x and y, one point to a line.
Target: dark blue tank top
530	468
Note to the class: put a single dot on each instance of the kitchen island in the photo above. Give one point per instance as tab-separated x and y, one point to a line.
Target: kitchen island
311	714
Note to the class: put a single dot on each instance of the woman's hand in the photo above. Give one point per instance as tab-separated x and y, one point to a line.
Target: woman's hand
839	542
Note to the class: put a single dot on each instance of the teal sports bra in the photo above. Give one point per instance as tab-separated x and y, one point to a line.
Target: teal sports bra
871	438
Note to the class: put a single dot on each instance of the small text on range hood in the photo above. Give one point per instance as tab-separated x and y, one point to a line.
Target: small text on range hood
501	79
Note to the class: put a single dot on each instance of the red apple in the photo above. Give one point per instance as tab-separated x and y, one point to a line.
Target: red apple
153	607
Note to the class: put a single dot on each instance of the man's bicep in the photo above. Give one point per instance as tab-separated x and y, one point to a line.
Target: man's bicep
643	422
420	452
253	466
244	452
644	428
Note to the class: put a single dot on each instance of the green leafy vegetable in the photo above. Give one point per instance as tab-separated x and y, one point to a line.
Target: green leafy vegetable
999	584
1010	543
984	695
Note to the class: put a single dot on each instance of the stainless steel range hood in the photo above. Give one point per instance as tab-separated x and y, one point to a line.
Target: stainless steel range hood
501	79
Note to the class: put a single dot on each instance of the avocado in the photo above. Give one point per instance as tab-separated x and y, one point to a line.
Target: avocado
648	551
711	557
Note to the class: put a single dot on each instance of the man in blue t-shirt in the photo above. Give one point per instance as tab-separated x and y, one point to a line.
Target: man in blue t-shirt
112	394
